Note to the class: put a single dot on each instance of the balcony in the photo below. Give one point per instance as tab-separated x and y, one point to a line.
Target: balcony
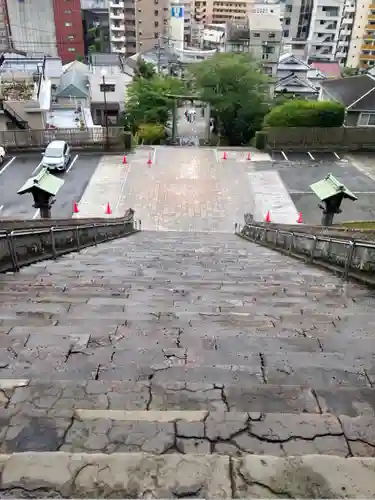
118	49
370	27
118	27
368	47
118	38
364	57
116	5
116	15
371	17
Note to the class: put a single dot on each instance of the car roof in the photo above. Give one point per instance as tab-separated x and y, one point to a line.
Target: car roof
57	144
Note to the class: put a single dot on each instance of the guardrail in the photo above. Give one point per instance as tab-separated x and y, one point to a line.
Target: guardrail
24	247
350	257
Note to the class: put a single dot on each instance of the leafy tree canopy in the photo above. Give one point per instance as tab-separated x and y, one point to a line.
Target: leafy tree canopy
147	100
306	114
237	89
144	69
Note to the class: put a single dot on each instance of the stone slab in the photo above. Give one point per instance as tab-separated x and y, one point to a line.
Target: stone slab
140	475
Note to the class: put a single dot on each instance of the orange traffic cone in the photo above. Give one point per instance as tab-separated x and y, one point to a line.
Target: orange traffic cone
224	156
248	156
268	217
300	219
124	161
149	161
108	210
75	208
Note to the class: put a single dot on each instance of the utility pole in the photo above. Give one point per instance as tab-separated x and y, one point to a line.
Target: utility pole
159	55
105	112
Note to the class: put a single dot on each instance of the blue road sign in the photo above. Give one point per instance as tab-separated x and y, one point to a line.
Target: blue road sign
177	11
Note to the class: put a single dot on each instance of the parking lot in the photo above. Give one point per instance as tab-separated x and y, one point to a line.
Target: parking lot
17	169
307	156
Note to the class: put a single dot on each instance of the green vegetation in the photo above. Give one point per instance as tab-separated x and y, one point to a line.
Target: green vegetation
306	114
364	225
237	90
150	133
147	102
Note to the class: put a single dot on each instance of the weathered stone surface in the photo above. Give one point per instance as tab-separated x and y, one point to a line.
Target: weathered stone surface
277	353
201	476
125	475
303	477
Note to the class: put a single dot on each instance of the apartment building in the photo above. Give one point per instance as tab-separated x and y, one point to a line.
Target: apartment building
4	39
348	25
137	25
219	11
52	27
324	30
296	24
95	25
363	44
265	40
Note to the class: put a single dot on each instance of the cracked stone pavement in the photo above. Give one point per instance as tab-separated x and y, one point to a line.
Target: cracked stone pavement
170	350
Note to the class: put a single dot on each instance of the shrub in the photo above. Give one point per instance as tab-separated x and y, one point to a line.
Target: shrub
306	114
151	133
260	139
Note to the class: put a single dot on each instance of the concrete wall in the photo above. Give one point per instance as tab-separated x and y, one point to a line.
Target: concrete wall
325	139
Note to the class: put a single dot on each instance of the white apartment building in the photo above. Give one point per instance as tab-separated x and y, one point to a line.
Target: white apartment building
324	30
347	26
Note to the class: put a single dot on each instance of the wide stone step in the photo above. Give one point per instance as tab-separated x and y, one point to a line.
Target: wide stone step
57	397
142	475
175	431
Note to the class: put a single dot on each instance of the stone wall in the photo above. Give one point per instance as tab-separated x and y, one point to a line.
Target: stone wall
352	257
324	139
26	246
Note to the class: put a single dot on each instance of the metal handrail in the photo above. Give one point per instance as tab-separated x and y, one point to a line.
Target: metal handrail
352	244
74	243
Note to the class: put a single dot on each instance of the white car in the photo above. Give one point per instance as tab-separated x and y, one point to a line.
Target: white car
2	154
56	157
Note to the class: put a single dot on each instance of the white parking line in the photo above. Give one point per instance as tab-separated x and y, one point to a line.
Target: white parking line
1	207
122	189
7	164
311	156
36	215
72	163
284	155
37	168
153	156
337	156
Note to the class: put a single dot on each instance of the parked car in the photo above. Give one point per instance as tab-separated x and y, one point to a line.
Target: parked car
2	154
56	157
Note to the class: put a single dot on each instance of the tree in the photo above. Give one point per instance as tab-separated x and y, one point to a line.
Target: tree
238	92
150	133
306	114
147	100
144	70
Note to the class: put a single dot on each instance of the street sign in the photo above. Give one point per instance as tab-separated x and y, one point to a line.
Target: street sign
177	11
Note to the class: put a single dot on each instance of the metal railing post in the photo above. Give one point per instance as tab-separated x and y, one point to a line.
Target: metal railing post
15	261
53	243
349	258
313	248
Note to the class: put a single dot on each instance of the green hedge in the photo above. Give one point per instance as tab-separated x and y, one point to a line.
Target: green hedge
306	114
260	139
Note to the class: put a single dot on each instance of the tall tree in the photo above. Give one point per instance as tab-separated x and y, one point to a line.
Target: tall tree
238	91
144	69
147	100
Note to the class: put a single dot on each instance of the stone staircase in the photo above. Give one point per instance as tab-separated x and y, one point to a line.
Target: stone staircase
200	348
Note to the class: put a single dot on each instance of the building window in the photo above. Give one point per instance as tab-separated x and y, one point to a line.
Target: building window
67	11
71	49
271	35
366	120
256	35
68	25
71	37
156	24
107	87
156	35
156	12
